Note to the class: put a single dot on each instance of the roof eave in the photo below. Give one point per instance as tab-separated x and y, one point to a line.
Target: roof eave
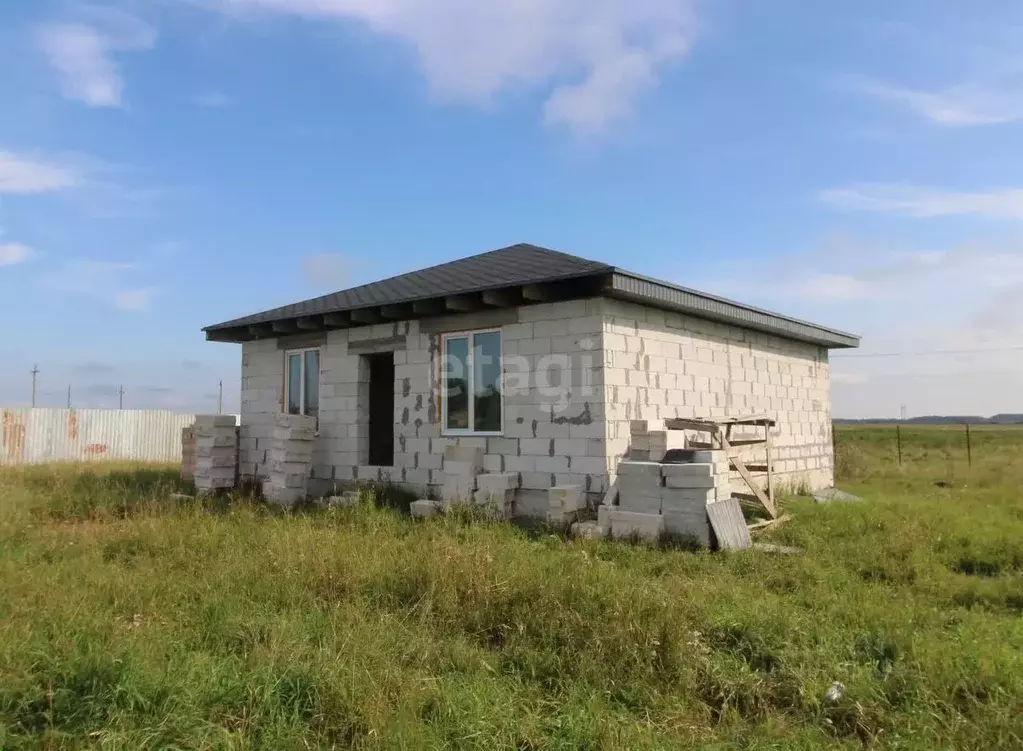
636	288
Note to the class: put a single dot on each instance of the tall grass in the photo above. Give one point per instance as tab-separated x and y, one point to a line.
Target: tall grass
132	620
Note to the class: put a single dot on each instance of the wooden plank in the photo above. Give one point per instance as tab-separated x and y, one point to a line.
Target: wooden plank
757	469
729	525
769	524
428	307
366	315
740	467
681	423
761	496
538	292
499	298
770	465
757	419
340	320
462	303
396	312
611	496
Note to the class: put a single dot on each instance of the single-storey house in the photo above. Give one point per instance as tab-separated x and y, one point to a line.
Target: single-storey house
538	357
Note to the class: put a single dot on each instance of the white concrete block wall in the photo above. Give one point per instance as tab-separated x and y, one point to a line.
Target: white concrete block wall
553	429
660	364
624	362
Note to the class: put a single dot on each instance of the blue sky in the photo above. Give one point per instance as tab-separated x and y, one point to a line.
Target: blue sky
167	165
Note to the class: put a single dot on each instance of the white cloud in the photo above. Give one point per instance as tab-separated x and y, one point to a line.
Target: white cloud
923	202
26	175
592	57
12	254
83	54
964	105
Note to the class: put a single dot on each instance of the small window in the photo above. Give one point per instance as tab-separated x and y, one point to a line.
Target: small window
302	382
471	382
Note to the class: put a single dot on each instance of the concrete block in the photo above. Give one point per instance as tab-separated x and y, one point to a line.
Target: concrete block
283	496
289	467
687	470
688	525
284	480
294	434
497	482
425	509
587	531
462	453
214	441
627	524
604	517
283	420
566	498
629	468
419	476
208	452
458	489
463	469
645	504
204	422
686	497
691	481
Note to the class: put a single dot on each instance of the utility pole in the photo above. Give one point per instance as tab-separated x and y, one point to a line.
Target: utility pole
120	397
220	397
69	396
35	372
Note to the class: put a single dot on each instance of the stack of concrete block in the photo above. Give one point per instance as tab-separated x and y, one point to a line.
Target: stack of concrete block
564	502
649	442
461	466
497	490
655	499
216	452
291	456
188	454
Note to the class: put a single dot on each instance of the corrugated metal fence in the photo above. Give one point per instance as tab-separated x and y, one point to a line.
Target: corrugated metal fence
36	435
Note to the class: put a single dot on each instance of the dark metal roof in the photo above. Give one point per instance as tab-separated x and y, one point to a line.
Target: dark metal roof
496	269
523	264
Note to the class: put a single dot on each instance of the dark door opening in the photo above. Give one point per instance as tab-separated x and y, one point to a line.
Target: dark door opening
381	409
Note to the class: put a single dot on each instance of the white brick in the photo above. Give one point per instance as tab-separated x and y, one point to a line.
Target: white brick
625	525
425	509
566	498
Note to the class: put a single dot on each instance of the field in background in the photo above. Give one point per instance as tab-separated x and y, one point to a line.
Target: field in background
128	620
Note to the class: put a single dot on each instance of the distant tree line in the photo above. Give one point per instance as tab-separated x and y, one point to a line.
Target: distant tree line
1003	419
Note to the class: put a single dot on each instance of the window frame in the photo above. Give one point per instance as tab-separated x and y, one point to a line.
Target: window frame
304	407
471	336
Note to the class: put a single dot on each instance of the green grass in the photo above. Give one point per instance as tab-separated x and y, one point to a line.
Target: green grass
130	620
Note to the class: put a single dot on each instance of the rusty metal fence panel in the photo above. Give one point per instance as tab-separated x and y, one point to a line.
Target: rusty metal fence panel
37	435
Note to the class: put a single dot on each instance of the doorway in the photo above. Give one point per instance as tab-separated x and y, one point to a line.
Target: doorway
381	409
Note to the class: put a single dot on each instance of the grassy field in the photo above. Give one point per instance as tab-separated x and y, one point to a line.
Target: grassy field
129	620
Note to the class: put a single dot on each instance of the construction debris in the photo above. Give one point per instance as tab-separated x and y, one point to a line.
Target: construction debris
291	457
216	452
769	524
767	547
834	495
729	525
